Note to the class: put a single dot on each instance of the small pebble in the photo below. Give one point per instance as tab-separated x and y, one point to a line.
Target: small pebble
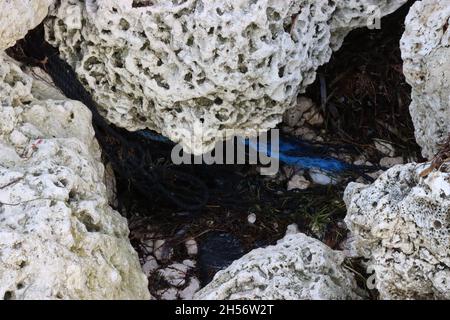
161	251
306	133
298	182
292	229
251	218
362	162
149	245
189	263
188	292
321	178
314	118
18	138
191	247
291	118
289	171
390	162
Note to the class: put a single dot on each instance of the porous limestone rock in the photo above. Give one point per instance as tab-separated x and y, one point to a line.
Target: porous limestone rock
401	224
352	14
426	54
19	16
297	267
59	239
201	71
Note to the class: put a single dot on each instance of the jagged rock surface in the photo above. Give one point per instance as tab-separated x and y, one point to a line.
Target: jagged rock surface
352	14
426	55
401	224
298	267
59	238
200	71
19	16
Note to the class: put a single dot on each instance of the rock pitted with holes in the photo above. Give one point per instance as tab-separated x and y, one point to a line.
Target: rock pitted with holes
59	238
200	71
426	54
19	16
298	267
401	224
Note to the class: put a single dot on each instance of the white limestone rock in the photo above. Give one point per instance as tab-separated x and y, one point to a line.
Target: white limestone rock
298	267
352	14
201	71
401	224
19	16
59	239
426	55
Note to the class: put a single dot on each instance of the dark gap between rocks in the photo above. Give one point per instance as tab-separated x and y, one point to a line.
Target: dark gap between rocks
367	95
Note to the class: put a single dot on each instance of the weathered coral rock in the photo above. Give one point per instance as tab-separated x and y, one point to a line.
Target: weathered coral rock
426	55
352	14
401	224
298	267
200	71
19	16
59	239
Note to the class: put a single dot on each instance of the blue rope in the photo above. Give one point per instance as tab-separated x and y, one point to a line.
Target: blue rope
294	152
299	155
